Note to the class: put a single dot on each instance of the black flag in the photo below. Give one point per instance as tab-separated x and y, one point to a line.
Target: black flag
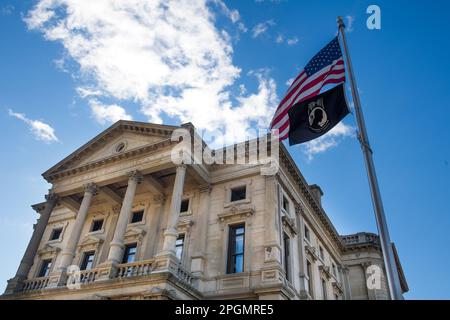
316	116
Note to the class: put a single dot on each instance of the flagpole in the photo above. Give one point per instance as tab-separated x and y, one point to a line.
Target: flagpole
386	246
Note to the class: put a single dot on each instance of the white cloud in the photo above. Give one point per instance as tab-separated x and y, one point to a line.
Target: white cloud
328	141
279	38
349	24
6	10
261	28
107	113
292	41
39	129
167	57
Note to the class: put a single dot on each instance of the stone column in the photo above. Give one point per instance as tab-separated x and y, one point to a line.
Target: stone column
68	252
15	284
201	231
272	235
170	235
272	270
302	251
117	245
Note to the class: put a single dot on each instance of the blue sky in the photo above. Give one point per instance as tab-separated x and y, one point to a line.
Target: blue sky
60	86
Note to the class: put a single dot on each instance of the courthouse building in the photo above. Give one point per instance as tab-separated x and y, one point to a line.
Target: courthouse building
123	221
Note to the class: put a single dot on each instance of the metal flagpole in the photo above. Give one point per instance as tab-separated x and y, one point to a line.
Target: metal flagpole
386	246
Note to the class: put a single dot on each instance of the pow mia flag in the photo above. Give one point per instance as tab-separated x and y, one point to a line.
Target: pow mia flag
316	116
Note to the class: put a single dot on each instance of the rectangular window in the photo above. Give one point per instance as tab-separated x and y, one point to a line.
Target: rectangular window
45	268
88	260
129	254
56	233
321	254
324	289
310	277
307	235
333	269
179	246
286	244
236	249
137	216
184	205
285	204
239	193
97	225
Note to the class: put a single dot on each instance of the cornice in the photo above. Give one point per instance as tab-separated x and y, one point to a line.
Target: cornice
164	131
108	160
292	169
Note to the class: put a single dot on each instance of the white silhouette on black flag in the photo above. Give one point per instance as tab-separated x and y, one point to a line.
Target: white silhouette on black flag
316	116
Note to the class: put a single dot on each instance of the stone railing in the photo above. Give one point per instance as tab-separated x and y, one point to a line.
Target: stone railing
88	276
134	269
35	284
361	238
184	275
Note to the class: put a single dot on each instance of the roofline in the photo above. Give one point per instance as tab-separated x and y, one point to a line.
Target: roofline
98	137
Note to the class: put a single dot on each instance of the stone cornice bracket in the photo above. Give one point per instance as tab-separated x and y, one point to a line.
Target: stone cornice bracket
51	196
135	175
91	188
205	189
298	209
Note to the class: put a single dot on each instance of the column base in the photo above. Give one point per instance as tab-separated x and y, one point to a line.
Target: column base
166	262
57	279
198	265
107	271
116	252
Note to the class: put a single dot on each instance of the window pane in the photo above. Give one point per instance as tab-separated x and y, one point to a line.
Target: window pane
184	205
239	244
56	233
137	216
97	225
129	253
88	261
238	193
236	243
45	268
179	246
239	265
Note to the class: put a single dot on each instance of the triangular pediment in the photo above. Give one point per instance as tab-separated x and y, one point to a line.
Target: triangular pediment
121	137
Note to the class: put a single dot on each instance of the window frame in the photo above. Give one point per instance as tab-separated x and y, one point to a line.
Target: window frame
233	189
187	207
94	221
126	252
141	211
85	262
324	289
48	269
60	229
287	255
231	250
183	237
309	273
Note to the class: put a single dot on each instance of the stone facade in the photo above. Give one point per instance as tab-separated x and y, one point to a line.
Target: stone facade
178	221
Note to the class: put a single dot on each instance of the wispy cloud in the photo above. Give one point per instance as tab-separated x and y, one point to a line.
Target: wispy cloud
292	41
166	57
6	10
261	28
328	141
107	113
39	129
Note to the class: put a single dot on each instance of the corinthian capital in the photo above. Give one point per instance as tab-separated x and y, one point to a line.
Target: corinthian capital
91	188
136	176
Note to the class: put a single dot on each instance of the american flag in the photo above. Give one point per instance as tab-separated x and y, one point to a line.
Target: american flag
326	67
